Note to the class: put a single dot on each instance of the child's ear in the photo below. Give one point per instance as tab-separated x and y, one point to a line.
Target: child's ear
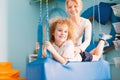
53	33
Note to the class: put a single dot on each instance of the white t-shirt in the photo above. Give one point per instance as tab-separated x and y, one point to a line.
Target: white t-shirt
67	50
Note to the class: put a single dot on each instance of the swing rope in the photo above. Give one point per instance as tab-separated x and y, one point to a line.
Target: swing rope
40	16
99	20
100	29
47	22
93	23
40	32
47	16
93	36
47	28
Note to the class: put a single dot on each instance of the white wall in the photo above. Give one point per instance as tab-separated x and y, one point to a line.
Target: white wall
3	31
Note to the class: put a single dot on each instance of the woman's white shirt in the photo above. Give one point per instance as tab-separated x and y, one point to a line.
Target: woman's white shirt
84	28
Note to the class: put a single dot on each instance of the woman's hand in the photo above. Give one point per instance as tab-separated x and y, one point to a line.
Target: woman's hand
77	51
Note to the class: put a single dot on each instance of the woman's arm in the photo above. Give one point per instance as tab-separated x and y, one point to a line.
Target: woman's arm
88	35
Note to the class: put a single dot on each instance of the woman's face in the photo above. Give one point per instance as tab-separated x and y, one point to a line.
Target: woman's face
60	33
73	8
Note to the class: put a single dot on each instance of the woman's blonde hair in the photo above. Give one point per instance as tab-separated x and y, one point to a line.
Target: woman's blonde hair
62	21
78	2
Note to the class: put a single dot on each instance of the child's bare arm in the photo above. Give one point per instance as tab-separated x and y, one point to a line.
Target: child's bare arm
55	54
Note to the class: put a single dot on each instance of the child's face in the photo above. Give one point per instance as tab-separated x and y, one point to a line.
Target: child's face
61	33
73	8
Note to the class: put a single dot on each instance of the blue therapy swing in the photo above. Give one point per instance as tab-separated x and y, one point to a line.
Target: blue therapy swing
49	69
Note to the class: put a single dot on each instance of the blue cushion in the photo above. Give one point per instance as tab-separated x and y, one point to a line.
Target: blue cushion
105	12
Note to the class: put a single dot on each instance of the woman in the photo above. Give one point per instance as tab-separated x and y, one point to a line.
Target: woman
83	27
74	7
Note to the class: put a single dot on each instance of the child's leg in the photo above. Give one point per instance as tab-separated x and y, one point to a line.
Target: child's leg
93	51
97	52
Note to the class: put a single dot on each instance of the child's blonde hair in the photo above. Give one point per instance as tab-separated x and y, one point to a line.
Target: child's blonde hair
62	21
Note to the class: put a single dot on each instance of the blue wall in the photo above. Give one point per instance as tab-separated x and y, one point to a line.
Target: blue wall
22	31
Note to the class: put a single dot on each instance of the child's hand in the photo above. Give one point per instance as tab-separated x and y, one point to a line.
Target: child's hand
49	46
36	48
43	51
37	45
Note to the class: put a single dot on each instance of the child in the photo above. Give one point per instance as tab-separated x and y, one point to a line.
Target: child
61	44
61	41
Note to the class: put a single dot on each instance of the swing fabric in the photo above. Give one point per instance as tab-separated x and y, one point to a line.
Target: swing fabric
49	69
